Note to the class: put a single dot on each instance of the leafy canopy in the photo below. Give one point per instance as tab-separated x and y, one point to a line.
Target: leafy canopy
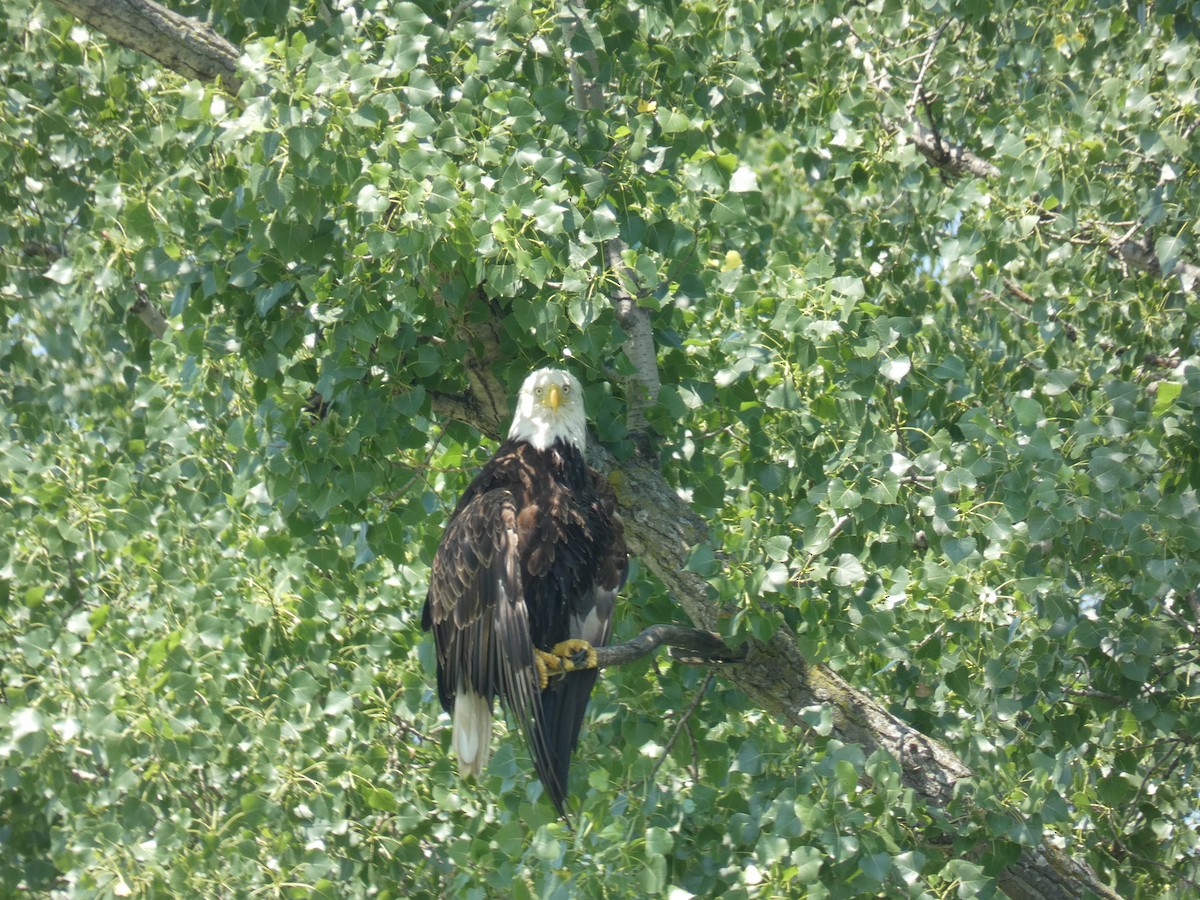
944	430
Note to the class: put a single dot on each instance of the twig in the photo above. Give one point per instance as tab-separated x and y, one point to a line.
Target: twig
919	87
679	728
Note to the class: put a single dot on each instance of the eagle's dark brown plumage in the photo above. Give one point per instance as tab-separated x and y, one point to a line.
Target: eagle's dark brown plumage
533	555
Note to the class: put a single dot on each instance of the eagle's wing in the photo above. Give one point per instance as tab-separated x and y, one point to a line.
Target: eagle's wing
565	701
476	610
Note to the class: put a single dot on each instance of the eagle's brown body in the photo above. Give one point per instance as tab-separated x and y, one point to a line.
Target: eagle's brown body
533	555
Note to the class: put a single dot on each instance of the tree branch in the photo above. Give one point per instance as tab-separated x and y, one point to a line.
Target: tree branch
150	314
918	91
951	158
1142	258
689	645
957	161
181	44
643	387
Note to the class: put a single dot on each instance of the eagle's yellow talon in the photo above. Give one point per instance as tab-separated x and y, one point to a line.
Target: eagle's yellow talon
547	665
575	654
567	656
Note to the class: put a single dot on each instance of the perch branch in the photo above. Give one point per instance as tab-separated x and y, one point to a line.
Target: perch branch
688	645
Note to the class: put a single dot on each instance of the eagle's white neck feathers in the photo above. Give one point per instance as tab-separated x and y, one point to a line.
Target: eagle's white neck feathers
549	409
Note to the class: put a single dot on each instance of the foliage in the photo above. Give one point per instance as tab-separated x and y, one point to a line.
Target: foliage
943	431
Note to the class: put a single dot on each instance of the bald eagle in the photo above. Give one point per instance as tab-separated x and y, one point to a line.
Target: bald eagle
523	585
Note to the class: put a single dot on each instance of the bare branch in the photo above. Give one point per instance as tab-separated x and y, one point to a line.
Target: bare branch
636	322
952	158
689	645
919	87
149	313
181	44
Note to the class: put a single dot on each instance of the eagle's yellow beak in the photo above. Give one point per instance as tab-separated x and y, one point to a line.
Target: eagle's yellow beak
554	397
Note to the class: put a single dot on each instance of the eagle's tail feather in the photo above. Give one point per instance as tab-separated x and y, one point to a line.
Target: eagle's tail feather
472	732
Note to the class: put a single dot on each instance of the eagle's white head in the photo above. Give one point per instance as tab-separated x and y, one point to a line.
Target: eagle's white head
549	409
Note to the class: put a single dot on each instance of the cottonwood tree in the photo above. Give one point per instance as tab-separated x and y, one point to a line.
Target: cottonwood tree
886	314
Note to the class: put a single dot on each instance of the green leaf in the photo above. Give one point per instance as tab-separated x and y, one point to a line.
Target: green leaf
1057	381
895	369
658	841
545	846
970	880
370	200
61	271
1168	251
847	571
672	121
1028	412
1165	396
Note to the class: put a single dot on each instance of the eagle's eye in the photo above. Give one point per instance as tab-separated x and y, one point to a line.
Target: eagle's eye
537	391
566	389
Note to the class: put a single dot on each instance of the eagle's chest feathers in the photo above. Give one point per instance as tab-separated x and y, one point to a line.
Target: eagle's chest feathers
552	527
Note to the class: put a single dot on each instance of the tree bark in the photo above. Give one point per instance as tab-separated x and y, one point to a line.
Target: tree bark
181	44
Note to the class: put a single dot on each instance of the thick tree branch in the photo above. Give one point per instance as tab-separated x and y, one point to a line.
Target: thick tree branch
642	389
181	44
489	396
585	85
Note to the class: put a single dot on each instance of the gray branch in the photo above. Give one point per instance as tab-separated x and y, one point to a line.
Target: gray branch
183	45
1142	258
150	314
951	158
688	645
642	388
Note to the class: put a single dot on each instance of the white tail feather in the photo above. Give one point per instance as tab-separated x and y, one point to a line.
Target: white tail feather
472	732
